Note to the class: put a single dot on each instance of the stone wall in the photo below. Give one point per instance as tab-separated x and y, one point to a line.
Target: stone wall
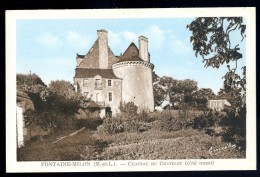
137	83
100	94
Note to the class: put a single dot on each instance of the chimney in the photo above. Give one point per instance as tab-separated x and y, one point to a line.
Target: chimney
103	49
143	48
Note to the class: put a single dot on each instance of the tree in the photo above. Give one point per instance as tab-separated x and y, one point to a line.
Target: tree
205	92
65	89
211	40
32	83
172	90
52	109
61	87
28	79
200	98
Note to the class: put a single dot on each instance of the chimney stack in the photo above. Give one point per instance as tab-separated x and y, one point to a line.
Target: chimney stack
103	49
143	48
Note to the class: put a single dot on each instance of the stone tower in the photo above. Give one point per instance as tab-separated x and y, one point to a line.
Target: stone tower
135	70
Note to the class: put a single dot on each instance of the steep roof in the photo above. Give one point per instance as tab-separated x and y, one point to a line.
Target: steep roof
92	72
131	54
131	51
91	59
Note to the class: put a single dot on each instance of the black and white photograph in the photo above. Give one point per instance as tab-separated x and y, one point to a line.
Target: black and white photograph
131	90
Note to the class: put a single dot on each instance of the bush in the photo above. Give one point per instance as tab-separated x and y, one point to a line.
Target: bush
235	127
128	108
128	120
122	122
50	120
206	120
173	122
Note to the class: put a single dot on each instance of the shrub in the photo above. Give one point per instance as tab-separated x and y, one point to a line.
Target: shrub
128	108
127	120
235	127
206	120
122	122
168	121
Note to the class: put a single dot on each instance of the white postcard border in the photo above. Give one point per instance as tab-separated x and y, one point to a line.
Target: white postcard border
153	165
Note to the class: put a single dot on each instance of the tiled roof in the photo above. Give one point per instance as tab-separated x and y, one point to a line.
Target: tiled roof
92	72
130	54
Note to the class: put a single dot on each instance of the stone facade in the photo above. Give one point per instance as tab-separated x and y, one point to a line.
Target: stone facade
108	79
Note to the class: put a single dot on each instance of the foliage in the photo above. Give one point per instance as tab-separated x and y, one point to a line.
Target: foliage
65	89
175	91
152	145
133	145
28	80
200	98
181	94
128	120
206	120
128	108
52	113
211	38
235	127
170	122
52	109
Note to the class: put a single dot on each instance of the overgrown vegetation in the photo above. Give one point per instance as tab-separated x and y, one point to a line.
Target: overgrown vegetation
190	131
211	39
55	105
170	135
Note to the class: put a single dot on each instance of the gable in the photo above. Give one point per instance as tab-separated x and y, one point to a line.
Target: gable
131	54
131	51
91	58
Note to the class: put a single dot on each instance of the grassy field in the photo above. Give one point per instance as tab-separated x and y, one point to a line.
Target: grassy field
152	144
143	136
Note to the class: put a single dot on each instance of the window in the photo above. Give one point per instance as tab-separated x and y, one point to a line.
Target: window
109	83
109	96
98	84
85	82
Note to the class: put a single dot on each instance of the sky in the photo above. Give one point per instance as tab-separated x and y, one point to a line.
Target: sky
48	47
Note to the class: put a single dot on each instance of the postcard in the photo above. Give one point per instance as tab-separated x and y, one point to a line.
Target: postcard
164	89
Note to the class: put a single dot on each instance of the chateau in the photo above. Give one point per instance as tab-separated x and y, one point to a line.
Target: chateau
109	79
